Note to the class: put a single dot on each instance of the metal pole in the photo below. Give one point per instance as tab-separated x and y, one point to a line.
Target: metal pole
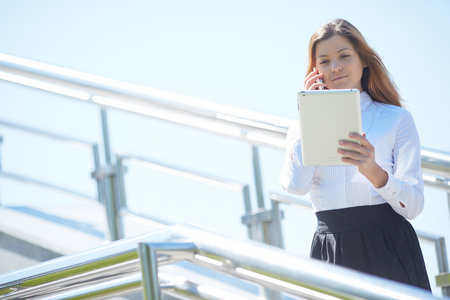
441	249
257	177
441	254
264	230
248	208
108	182
171	252
120	171
263	226
96	155
276	230
1	141
120	202
149	267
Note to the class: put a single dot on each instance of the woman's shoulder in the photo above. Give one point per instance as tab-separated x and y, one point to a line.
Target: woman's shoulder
393	110
397	116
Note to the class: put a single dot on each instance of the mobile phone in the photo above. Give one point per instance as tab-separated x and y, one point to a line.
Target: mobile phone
319	80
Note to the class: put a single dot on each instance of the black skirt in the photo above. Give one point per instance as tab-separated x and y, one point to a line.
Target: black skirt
372	239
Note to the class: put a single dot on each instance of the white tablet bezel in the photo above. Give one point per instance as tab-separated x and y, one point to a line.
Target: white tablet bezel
327	116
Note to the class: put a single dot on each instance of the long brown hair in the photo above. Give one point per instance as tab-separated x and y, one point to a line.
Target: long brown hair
376	80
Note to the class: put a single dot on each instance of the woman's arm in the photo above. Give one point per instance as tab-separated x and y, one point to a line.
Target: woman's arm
403	188
294	177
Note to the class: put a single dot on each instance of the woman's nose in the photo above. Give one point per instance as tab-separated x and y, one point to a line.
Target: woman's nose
336	67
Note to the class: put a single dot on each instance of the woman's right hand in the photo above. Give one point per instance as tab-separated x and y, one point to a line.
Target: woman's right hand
310	81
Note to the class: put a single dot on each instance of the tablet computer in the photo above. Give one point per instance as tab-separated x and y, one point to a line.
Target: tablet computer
327	116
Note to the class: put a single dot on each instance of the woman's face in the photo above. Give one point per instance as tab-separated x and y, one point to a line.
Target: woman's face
339	63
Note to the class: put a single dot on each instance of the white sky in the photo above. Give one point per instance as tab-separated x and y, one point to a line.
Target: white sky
247	53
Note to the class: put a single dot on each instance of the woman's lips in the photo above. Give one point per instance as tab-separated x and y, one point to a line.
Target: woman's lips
338	78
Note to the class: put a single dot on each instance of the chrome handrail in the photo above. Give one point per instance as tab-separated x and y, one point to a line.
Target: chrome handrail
255	129
264	265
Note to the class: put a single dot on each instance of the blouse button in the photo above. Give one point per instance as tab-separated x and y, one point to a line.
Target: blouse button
394	193
388	189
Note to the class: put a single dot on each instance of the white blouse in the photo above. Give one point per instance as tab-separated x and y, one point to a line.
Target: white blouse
391	130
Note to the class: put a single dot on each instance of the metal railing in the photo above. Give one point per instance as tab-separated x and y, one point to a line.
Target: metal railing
115	269
255	129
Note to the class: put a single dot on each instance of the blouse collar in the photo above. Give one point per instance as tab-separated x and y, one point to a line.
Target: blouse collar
365	100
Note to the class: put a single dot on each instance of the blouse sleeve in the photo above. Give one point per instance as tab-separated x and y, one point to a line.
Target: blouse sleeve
404	189
294	177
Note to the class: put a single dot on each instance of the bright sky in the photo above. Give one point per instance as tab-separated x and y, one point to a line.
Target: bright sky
249	53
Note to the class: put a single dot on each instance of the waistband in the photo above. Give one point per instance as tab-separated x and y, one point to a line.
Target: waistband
357	218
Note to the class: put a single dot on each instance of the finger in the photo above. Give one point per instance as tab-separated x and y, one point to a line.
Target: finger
351	161
352	145
316	85
314	75
310	81
309	76
352	154
360	138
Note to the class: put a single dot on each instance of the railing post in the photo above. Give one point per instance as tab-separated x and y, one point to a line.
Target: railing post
443	268
441	253
248	208
120	183
149	267
264	225
100	175
148	254
97	165
260	231
276	232
443	278
109	182
1	142
260	221
257	177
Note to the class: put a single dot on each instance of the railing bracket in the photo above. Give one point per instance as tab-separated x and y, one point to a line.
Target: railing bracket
102	173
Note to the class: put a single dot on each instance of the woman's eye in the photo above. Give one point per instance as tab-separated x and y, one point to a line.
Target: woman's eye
345	56
323	62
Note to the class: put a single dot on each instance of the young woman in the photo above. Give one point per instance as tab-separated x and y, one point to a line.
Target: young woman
361	208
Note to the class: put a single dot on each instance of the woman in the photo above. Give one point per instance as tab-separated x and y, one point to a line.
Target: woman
361	208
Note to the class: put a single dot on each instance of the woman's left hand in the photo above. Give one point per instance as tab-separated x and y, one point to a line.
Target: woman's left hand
363	156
